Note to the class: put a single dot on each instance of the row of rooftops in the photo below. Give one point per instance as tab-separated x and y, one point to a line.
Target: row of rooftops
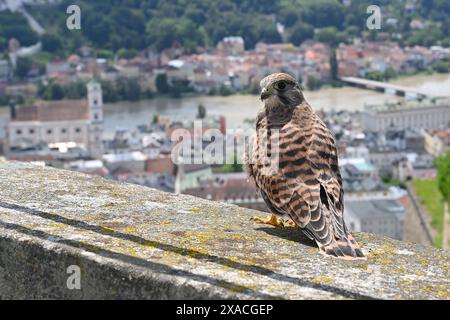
59	110
409	105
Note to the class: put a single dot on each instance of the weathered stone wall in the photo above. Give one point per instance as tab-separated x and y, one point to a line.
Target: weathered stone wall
417	221
132	242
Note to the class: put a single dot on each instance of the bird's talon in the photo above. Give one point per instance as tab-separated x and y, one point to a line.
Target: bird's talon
290	224
272	220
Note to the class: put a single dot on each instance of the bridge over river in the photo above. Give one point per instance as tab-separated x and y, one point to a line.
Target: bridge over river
388	88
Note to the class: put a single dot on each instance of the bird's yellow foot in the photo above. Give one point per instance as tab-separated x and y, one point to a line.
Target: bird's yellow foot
274	221
290	223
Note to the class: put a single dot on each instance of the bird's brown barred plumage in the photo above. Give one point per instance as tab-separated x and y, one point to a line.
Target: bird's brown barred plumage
295	166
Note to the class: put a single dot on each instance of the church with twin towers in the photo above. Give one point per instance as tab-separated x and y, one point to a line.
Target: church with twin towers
71	122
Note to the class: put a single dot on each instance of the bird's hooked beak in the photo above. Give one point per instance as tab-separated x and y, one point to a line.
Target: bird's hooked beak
266	93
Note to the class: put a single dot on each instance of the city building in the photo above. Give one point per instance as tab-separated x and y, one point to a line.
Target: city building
231	45
62	121
437	142
93	167
190	175
130	161
234	188
379	216
413	114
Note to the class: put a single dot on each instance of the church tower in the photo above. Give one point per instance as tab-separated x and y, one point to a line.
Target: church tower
95	103
95	100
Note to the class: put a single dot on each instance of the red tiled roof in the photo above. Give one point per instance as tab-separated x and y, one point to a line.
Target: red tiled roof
160	165
404	200
230	189
444	135
61	110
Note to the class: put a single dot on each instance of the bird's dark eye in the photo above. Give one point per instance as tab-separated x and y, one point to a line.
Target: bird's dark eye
281	85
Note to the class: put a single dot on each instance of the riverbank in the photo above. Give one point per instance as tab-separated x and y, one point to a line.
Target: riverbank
236	108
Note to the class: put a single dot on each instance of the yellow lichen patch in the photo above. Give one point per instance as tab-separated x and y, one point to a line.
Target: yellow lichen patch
109	230
130	229
266	262
384	261
406	282
390	245
376	256
390	250
104	187
444	294
363	266
88	247
112	191
322	280
195	210
202	237
427	289
56	225
398	269
237	237
128	250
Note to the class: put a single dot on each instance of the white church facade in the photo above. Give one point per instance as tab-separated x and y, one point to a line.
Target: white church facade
63	121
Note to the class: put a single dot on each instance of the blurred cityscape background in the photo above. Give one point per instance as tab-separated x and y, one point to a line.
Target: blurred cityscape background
105	99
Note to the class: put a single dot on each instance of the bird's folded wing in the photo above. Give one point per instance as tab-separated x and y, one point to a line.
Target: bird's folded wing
308	185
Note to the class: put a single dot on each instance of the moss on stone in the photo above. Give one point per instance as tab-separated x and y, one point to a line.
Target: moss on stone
201	248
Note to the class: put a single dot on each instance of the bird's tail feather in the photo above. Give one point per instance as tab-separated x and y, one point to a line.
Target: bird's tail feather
346	248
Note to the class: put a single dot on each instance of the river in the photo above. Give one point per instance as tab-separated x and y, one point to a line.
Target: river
236	108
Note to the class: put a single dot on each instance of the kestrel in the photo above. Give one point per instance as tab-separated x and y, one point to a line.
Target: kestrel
294	164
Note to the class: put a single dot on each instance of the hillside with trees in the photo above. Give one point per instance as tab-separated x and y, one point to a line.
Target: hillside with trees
127	26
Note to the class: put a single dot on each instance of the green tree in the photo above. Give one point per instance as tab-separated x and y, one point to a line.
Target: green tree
109	92
225	90
155	119
329	35
334	67
105	54
75	90
112	24
300	32
234	166
162	84
56	92
133	90
426	37
23	66
443	166
324	13
127	53
3	44
442	67
201	111
312	83
51	43
14	25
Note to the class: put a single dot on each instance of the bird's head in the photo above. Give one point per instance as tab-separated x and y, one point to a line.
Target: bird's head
280	90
